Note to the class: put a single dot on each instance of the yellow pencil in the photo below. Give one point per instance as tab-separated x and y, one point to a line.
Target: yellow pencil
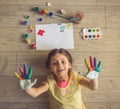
17	75
89	68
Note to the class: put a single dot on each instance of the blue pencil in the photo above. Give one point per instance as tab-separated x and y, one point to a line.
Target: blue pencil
25	71
94	63
70	19
61	16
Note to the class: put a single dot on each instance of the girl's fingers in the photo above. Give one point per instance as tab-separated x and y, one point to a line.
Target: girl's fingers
95	63
91	63
18	76
29	73
22	72
25	70
98	66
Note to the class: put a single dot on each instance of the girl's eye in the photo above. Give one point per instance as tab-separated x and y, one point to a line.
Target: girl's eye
55	63
63	62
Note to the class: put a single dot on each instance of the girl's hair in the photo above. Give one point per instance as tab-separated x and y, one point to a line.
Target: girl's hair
55	51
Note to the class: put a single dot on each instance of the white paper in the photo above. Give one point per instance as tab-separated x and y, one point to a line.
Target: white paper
54	36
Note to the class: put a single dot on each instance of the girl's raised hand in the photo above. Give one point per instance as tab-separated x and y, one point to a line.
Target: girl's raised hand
25	78
93	69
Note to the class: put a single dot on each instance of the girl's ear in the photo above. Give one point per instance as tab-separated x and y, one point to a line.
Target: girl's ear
50	69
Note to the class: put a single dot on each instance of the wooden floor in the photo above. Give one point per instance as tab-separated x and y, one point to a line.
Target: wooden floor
14	52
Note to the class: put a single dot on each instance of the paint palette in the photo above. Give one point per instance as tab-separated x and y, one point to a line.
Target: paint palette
91	33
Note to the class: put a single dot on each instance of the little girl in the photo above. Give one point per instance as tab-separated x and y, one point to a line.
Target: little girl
63	84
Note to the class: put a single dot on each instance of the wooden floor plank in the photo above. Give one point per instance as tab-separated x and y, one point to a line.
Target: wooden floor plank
23	105
112	17
62	2
115	105
14	41
14	15
108	91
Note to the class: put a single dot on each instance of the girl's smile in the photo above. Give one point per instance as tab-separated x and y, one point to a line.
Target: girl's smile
60	70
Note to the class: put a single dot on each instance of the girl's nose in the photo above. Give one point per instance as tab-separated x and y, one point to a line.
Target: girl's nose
59	63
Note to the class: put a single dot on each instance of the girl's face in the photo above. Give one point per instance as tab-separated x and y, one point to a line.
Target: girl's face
59	65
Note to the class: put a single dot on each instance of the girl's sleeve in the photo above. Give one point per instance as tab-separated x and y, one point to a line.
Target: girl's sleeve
46	83
79	77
